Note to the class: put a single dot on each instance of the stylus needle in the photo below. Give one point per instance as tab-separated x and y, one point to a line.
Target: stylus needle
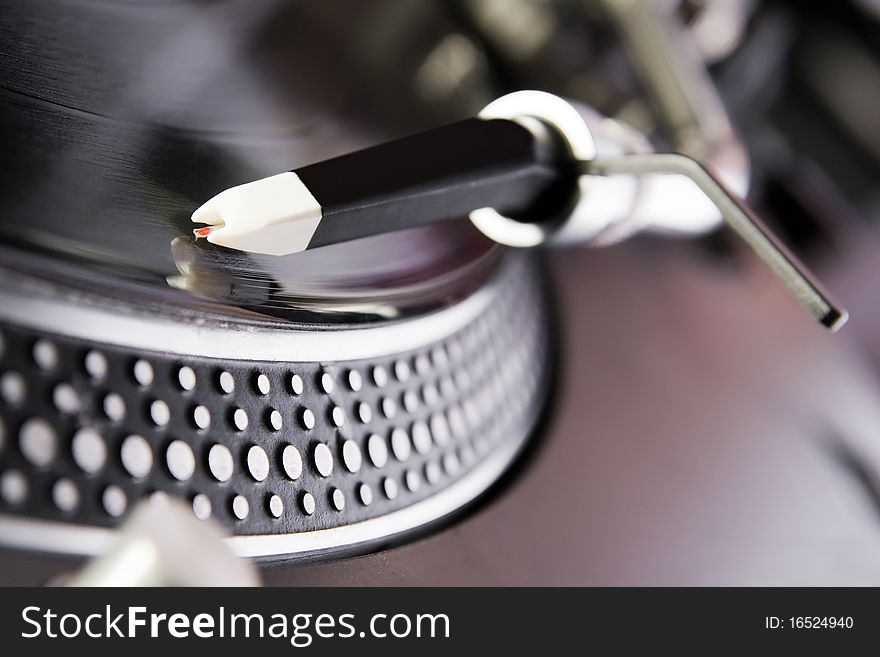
441	174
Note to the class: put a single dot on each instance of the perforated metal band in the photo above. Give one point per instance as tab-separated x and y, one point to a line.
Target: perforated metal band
295	458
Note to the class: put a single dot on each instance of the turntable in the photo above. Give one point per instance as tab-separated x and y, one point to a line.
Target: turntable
338	401
311	404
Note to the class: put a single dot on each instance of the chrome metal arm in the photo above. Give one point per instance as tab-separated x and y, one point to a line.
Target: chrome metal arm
736	213
688	105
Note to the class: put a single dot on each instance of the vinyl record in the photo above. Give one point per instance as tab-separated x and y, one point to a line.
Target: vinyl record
119	119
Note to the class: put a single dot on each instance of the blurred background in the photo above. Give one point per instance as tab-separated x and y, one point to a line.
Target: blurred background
702	430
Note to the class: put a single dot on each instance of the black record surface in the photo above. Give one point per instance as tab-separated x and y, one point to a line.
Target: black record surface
118	119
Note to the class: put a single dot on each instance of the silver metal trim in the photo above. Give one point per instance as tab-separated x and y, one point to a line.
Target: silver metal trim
119	326
564	118
88	540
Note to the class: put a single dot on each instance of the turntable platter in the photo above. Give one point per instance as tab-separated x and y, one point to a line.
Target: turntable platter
312	404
